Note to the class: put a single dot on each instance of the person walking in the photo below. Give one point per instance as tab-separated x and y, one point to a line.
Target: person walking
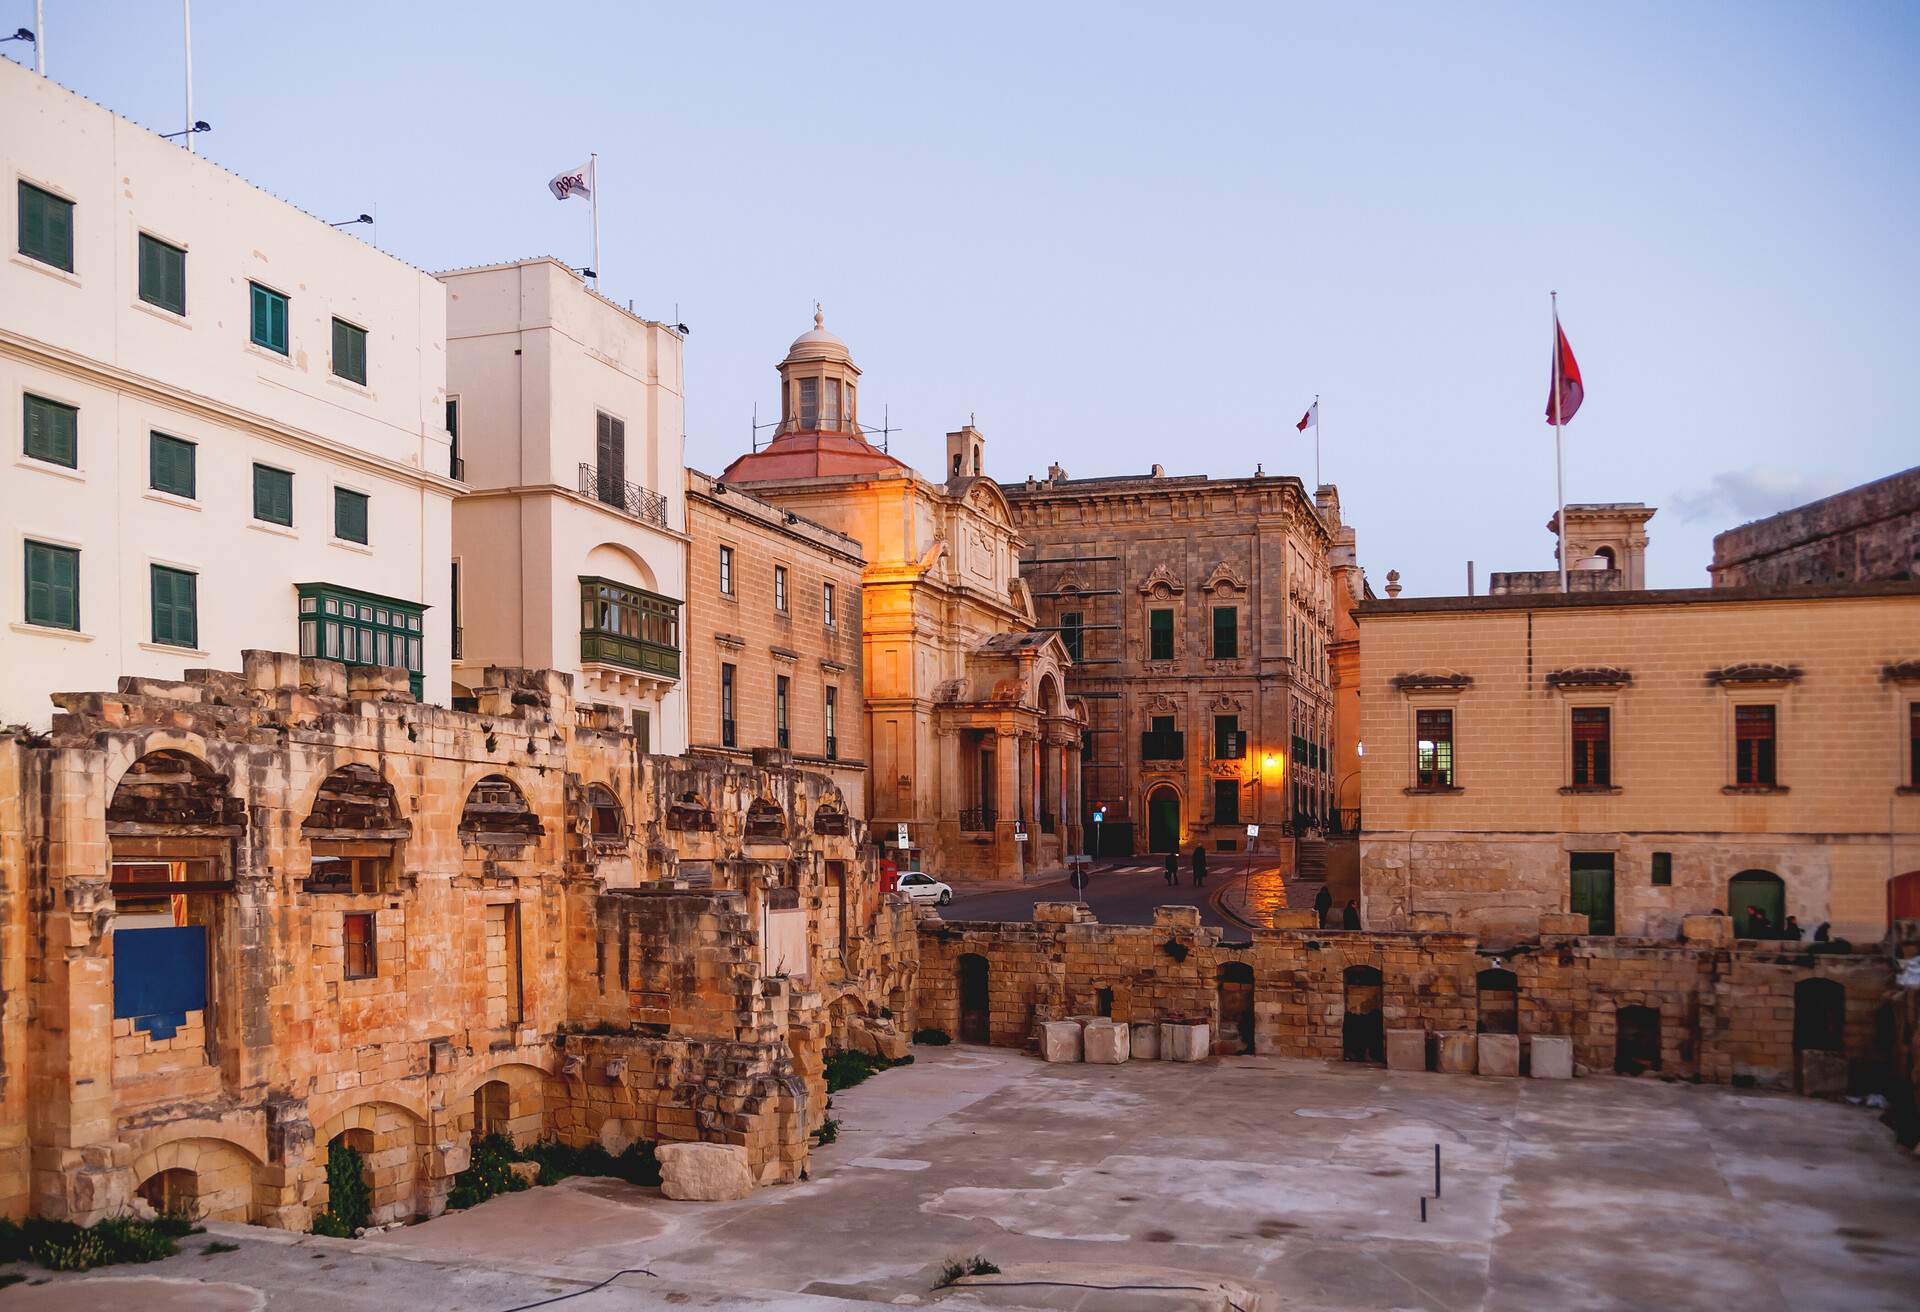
1173	869
1199	865
1322	906
1350	918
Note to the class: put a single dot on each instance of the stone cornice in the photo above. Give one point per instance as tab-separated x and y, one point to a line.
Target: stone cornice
1421	681
1901	672
1590	676
1754	672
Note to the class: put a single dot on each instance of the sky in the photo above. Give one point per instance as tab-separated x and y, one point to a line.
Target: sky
1119	235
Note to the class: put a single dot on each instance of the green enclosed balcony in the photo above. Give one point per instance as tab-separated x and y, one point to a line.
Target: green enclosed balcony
629	627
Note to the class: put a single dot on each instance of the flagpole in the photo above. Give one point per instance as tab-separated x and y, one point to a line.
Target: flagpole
593	171
1559	447
186	30
1316	442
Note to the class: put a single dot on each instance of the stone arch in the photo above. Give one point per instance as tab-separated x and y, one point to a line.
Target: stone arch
496	809
1753	891
392	1140
1049	698
215	1175
173	787
1497	1001
606	818
357	796
611	560
124	755
1164	827
765	819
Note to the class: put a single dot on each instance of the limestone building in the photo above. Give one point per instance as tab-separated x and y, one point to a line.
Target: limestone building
223	419
570	549
1868	532
971	742
1198	614
773	636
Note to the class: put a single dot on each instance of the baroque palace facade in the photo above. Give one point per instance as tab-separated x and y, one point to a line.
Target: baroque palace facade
1198	614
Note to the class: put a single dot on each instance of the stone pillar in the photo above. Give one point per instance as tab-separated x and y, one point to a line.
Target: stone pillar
1006	802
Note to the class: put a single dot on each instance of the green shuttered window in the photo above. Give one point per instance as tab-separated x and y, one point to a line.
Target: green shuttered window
53	586
350	352
170	465
1226	633
361	628
269	319
163	274
46	227
176	609
1159	635
51	431
349	515
272	495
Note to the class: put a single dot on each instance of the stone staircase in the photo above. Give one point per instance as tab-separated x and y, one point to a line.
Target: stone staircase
1313	861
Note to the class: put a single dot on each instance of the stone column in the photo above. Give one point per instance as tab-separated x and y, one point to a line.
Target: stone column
1006	801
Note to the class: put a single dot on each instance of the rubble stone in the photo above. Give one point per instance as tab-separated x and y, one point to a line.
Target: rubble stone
704	1172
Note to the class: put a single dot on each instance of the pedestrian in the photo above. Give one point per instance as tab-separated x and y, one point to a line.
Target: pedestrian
1199	865
1173	869
1322	906
1823	932
1350	918
1791	930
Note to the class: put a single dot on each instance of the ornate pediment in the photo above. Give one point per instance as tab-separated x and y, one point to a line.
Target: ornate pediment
1226	704
1427	681
1901	672
1161	581
1224	578
1161	704
1590	676
1753	672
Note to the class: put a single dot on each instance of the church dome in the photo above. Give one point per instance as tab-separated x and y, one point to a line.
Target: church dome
818	344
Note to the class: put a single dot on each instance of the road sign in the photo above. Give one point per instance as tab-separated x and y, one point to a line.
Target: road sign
1253	831
1020	836
904	842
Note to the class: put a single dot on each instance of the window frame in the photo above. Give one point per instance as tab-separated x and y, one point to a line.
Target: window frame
1763	770
1232	615
1223	751
22	228
356	352
158	441
826	605
325	626
347	496
1154	633
726	570
1224	788
729	684
1591	763
53	550
783	710
28	401
782	599
142	241
1660	870
172	636
830	712
1073	634
258	294
1444	771
287	474
370	945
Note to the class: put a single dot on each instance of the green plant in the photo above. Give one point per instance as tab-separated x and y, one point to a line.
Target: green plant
949	1273
636	1165
489	1172
828	1132
64	1246
847	1068
932	1038
349	1202
973	1266
981	1267
219	1246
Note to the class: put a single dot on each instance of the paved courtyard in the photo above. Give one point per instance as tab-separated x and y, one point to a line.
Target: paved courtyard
1251	1183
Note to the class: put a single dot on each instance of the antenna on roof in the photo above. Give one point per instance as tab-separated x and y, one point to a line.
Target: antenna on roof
886	429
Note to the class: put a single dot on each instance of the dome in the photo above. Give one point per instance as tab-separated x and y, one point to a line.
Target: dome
817	343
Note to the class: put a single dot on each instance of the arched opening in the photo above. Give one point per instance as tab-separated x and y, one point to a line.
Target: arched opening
1903	897
605	820
1499	1002
492	1109
497	812
1606	554
1235	989
353	833
1363	1034
348	1201
1163	819
1819	1016
1757	901
609	561
1636	1040
766	820
976	1017
174	1192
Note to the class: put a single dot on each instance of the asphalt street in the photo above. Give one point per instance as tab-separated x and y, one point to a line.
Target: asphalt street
1123	892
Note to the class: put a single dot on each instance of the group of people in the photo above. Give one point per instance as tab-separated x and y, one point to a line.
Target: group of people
1322	903
1756	923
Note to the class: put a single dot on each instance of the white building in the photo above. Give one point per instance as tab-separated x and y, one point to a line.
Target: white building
571	547
222	420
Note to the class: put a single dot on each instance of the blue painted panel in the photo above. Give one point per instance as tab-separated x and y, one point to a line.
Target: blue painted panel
159	975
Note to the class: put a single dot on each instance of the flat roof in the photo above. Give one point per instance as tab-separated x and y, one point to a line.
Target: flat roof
1515	601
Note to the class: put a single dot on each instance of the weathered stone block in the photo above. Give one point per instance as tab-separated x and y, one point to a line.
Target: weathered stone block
528	1172
1823	1074
1295	919
1406	1050
1551	1056
1176	917
1563	922
704	1172
1715	930
1185	1042
1429	922
1107	1043
1455	1053
1061	913
1145	1045
1060	1041
1498	1054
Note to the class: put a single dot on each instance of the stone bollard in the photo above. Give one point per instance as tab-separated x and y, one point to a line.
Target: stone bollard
1499	1054
1406	1050
1552	1056
1146	1041
1455	1053
1823	1074
704	1172
1106	1043
1185	1042
1060	1040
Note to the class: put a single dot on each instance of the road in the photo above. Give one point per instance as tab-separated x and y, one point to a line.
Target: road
1121	892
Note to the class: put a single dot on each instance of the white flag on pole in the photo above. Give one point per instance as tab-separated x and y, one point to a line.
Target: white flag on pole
572	182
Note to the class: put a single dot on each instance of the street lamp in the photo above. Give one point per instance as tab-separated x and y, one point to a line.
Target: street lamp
199	125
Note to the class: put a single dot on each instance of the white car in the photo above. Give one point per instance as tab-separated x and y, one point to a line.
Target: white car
925	888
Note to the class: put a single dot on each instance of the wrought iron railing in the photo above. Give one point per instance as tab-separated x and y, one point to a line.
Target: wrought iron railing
604	486
977	820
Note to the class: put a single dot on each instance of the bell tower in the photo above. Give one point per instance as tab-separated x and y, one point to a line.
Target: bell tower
966	453
819	383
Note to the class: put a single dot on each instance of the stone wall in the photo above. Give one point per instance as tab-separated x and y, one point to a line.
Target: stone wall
418	923
1868	532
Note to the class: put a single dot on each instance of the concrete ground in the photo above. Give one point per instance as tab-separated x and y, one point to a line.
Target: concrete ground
1248	1182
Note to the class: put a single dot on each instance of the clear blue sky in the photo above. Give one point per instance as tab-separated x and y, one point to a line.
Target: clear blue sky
1124	234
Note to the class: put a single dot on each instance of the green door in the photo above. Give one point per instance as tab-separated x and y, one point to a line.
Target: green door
1592	890
1163	821
1761	891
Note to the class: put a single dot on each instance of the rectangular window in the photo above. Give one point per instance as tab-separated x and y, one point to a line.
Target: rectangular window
176	607
1913	745
46	227
1159	635
349	352
1662	869
1227	745
357	941
350	516
780	698
1433	767
833	719
610	451
1754	742
726	570
53	586
269	318
362	628
826	603
727	734
272	495
50	431
780	588
1226	633
163	274
456	466
1592	747
170	465
809	404
830	413
1226	801
1072	634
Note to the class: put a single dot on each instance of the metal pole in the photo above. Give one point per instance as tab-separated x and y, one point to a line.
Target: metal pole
1316	441
1559	449
593	171
186	29
40	37
1436	1170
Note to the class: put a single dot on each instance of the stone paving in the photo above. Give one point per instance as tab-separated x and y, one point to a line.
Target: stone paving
1248	1182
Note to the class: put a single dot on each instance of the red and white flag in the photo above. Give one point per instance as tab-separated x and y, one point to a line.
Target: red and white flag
1566	386
1311	419
572	182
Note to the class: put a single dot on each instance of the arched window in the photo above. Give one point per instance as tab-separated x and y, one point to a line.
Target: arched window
609	825
492	1108
1757	901
497	811
352	833
172	1193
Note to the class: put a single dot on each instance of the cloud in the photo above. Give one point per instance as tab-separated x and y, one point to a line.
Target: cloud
1741	495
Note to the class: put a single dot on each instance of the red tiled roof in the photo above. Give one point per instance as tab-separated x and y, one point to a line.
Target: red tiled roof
810	455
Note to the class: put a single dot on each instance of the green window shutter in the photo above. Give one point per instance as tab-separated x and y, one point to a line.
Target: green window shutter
176	619
1226	633
53	586
350	352
170	465
46	227
1160	635
272	495
349	515
163	274
51	431
269	319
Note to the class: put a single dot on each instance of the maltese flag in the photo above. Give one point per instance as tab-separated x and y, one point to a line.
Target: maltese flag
1311	419
572	182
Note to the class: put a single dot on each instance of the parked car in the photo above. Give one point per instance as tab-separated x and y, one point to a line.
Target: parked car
925	888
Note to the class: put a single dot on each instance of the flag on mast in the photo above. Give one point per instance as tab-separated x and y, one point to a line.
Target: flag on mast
1566	386
1311	419
569	183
